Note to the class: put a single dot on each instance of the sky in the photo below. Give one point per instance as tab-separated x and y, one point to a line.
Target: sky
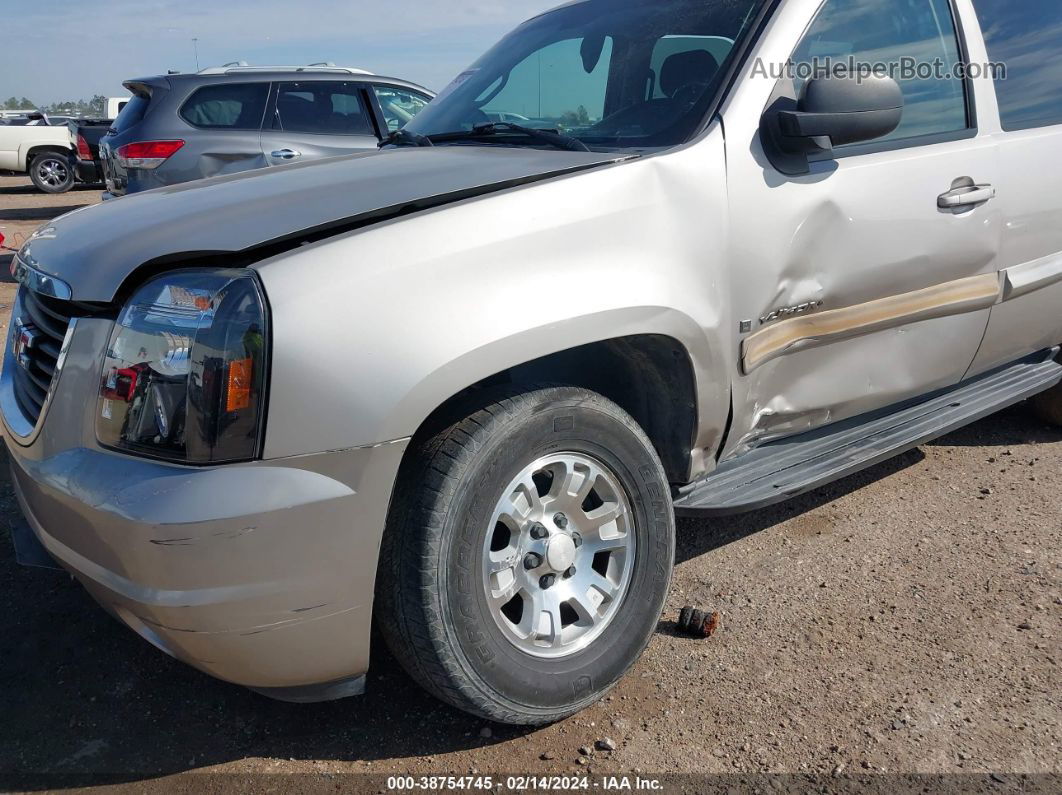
58	50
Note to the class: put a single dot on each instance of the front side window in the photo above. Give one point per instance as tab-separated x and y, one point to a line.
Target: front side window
322	108
612	73
1026	38
399	106
902	36
230	106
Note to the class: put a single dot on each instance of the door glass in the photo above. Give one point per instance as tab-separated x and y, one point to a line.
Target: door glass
914	41
1026	38
322	108
230	106
398	106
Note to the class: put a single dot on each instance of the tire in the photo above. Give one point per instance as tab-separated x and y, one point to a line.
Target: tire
434	596
1048	406
51	172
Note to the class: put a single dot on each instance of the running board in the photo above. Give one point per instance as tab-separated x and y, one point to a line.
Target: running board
788	467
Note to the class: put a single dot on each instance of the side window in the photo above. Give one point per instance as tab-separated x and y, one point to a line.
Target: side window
915	41
322	108
229	106
399	106
556	87
1026	38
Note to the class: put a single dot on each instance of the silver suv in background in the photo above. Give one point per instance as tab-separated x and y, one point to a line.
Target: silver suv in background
223	120
462	385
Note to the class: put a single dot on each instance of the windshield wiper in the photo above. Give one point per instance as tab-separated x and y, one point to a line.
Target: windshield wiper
554	138
405	138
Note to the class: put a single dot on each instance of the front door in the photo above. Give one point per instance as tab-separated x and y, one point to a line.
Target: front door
315	119
857	290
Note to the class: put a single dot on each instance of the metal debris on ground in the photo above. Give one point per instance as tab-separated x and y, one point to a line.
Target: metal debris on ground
698	623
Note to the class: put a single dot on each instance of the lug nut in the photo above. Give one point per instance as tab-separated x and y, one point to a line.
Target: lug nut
560	520
547	580
578	539
569	573
532	560
538	531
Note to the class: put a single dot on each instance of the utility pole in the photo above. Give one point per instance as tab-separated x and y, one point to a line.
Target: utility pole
195	45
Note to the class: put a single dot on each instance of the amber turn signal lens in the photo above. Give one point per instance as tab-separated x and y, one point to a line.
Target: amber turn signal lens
238	388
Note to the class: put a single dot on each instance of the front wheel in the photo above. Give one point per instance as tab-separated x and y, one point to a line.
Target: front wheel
528	555
51	172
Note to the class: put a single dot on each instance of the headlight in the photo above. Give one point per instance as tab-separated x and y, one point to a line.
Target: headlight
185	372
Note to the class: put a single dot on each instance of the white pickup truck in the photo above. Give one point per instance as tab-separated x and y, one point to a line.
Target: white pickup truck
40	149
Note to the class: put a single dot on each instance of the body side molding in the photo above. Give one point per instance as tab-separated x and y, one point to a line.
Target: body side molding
943	300
1031	276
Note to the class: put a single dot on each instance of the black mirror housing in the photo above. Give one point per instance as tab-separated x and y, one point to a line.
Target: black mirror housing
835	110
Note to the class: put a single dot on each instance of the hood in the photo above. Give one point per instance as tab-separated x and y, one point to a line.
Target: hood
95	249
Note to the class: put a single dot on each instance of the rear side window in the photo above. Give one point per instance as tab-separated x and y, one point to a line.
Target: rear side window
132	112
231	106
1026	37
893	33
322	108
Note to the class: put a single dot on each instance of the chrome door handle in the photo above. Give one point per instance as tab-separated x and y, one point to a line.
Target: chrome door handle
966	196
286	154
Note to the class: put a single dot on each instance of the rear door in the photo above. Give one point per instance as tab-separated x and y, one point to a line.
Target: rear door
1026	38
315	119
227	118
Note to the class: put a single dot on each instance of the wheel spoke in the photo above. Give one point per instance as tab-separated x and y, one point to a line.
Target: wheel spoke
505	595
603	516
574	485
549	626
500	561
604	586
520	504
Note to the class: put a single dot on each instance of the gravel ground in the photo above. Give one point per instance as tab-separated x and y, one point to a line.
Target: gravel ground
905	620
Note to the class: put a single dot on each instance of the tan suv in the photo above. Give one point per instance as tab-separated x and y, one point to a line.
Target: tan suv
621	267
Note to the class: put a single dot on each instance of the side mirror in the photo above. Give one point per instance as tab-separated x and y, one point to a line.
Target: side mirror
833	111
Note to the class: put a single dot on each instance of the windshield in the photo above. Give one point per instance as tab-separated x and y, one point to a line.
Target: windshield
612	73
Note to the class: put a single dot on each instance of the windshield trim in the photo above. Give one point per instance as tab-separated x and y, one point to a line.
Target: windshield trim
743	46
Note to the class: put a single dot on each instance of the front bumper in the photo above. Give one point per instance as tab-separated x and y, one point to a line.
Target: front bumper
260	574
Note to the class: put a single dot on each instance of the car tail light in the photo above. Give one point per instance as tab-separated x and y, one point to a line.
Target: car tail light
147	154
185	373
83	151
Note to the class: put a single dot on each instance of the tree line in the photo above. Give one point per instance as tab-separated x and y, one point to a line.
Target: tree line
96	106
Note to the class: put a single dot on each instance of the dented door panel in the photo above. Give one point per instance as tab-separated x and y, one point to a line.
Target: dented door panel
852	235
859	245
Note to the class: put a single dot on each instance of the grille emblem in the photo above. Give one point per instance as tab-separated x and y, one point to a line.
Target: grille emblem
26	338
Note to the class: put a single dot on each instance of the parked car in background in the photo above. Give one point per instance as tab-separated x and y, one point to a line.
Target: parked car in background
39	149
85	137
224	120
115	105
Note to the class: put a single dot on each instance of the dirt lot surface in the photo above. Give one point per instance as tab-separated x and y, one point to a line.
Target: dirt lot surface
906	620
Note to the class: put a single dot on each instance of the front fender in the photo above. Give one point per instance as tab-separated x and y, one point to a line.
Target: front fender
376	329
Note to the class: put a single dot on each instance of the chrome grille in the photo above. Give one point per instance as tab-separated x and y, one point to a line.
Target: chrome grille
40	326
